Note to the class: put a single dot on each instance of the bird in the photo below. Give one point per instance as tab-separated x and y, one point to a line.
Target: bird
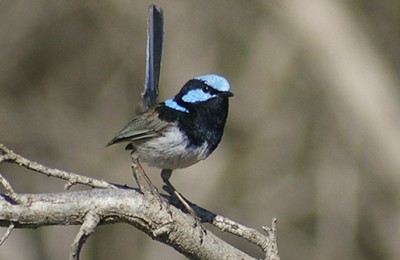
182	130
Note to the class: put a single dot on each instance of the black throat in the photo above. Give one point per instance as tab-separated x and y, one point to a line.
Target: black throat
204	122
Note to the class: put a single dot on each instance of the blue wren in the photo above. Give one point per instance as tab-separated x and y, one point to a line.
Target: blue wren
180	132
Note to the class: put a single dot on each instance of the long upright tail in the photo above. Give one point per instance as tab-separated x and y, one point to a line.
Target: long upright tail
155	34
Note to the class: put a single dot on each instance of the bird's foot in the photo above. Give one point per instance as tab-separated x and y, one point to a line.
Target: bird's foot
183	204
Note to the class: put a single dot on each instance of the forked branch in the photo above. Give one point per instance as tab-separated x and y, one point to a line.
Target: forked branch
151	213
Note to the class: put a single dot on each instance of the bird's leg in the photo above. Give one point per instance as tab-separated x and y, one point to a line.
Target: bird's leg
139	174
165	175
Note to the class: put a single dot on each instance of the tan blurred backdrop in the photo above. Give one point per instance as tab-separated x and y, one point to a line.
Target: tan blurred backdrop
312	138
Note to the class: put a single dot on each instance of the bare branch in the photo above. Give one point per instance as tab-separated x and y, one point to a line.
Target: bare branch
230	226
227	225
271	252
10	193
167	225
91	221
7	234
146	210
9	156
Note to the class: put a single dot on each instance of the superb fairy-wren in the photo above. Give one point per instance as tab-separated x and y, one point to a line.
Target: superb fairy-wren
180	132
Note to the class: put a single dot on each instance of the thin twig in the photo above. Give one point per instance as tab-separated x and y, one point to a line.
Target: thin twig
272	252
227	225
91	221
7	234
72	178
250	234
10	193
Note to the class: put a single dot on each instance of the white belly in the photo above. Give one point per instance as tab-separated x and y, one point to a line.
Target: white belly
169	151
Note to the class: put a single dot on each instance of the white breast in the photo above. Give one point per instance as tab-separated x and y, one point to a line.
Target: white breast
170	151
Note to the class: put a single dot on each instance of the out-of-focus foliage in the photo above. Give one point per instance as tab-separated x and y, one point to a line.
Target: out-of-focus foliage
313	135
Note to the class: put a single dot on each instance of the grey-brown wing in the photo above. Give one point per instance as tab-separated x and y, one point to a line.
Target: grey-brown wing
142	127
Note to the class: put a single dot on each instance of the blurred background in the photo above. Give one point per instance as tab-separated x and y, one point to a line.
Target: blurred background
312	138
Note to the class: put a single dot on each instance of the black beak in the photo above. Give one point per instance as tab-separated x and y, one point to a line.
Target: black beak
226	94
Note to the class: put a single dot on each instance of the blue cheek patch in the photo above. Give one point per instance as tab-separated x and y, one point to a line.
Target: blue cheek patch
172	104
196	95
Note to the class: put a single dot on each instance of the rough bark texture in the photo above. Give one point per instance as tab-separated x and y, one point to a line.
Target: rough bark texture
108	204
160	221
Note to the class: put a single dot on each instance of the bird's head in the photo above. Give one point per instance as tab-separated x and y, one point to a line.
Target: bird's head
200	90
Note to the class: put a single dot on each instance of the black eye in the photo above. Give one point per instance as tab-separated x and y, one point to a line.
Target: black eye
206	89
